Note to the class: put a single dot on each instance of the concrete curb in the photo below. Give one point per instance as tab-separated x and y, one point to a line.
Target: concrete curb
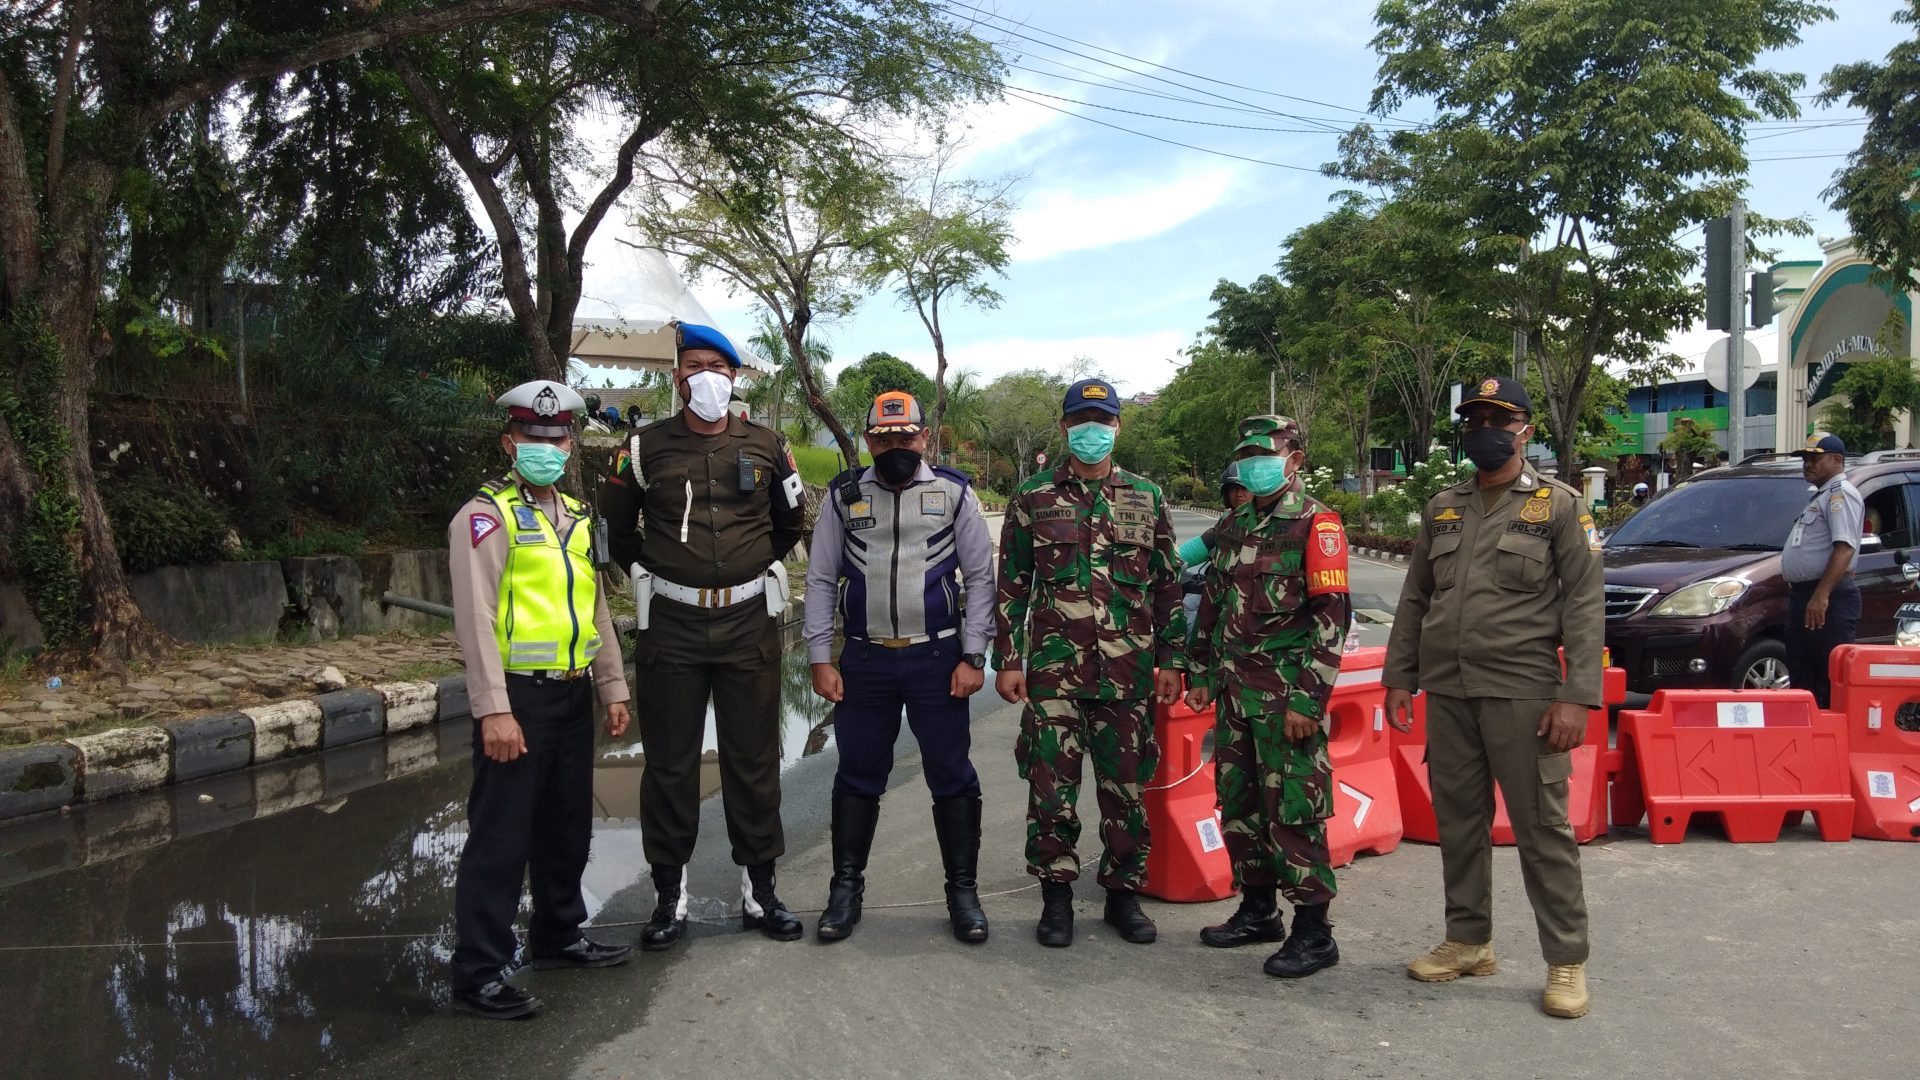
45	778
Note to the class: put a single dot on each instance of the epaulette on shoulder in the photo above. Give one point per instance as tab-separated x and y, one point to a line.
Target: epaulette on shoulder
495	486
1568	488
958	476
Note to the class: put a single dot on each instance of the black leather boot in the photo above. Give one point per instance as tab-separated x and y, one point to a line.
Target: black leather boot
668	924
1056	914
772	919
1124	915
956	822
1309	949
1258	920
854	817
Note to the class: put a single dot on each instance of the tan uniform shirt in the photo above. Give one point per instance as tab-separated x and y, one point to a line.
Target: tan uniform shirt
1491	596
476	568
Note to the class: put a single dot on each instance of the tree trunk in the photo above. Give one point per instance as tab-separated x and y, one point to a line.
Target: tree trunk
939	390
794	330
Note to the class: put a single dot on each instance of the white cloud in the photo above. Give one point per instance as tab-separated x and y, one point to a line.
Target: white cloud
1132	363
1060	220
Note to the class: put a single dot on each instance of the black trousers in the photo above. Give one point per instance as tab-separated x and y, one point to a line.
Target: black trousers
880	682
1808	650
690	656
534	813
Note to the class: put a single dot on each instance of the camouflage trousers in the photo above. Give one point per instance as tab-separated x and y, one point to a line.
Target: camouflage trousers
1055	734
1276	795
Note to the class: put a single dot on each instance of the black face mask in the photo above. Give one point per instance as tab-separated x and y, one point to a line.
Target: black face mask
897	466
1488	448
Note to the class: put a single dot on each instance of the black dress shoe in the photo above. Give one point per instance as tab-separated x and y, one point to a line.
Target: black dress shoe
497	1000
666	926
1258	920
1124	914
1056	914
773	918
1310	949
585	953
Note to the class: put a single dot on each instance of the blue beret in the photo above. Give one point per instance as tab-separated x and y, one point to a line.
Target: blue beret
695	336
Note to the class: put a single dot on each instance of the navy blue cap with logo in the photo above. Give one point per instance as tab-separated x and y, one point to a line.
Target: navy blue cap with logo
1821	442
1091	394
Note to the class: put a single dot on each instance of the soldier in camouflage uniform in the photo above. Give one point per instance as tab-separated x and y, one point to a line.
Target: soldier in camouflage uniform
1271	625
1089	605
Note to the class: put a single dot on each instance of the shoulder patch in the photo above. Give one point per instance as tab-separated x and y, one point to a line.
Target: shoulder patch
1592	531
1327	556
484	525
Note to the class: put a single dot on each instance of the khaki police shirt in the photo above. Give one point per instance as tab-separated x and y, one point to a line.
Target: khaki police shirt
477	557
1491	597
703	511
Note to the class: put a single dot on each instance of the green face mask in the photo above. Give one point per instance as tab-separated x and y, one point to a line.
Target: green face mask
1263	475
539	463
1090	442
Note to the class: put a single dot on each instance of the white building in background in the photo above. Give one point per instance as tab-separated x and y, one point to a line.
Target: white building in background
1838	317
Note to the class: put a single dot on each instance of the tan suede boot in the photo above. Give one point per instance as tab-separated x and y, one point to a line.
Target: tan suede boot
1566	992
1453	959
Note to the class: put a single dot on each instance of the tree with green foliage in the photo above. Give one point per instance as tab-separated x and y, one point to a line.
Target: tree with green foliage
1145	447
83	89
1691	441
874	374
1201	406
1879	189
1581	142
1867	399
1020	417
950	237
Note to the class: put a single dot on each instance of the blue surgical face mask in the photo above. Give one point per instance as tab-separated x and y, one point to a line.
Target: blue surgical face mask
1090	442
541	464
1263	475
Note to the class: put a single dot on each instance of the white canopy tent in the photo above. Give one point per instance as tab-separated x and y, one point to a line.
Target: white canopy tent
645	342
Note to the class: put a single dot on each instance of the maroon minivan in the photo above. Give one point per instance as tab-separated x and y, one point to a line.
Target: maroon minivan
1694	593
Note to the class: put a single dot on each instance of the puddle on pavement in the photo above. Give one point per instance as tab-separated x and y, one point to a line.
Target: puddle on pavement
279	920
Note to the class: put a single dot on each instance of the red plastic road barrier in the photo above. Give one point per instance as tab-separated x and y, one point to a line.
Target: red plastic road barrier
1187	862
1751	756
1877	688
1595	766
1366	798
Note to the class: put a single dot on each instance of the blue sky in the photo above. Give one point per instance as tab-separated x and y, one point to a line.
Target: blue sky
1120	239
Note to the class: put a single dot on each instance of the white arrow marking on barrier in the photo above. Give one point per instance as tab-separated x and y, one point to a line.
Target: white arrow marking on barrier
1365	800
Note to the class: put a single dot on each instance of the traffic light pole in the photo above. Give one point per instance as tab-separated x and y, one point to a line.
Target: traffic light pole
1736	337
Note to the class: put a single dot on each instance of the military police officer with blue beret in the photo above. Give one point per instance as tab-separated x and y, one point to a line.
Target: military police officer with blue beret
702	506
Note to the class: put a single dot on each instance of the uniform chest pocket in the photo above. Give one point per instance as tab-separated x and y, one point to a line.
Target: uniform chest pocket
1443	553
1265	581
1056	548
1128	565
1807	517
1520	564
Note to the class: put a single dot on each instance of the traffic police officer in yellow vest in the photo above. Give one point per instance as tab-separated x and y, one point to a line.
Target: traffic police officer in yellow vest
703	506
531	616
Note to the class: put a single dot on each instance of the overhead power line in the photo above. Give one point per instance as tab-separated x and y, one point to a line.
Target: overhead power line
1160	139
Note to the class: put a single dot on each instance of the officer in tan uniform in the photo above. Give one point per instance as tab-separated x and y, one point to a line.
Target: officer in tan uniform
1506	572
530	610
702	506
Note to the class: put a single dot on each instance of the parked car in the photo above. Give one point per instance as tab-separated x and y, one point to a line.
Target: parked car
1694	593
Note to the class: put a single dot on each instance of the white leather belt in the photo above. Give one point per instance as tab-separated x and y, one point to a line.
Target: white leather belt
710	598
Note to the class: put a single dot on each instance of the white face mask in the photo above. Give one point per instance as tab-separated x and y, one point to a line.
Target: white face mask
708	393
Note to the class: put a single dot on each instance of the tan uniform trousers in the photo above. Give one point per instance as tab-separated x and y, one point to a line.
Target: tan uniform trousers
1471	744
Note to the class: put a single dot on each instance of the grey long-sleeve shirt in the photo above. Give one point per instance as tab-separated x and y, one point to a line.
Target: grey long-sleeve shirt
888	558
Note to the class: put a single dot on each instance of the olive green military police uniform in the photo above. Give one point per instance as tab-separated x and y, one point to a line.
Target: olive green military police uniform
1492	593
706	516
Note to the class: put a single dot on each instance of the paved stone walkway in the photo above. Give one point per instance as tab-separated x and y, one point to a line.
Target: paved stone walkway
217	678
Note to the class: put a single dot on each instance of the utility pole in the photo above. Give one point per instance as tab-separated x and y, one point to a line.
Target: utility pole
1736	335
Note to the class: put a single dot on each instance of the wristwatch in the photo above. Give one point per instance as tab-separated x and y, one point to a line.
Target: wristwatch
975	659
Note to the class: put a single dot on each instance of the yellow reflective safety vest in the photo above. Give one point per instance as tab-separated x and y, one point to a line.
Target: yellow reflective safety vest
544	620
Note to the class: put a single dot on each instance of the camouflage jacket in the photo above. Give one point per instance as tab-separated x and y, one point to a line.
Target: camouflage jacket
1089	587
1274	613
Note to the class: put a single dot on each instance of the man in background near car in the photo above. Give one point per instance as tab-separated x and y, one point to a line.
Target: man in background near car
1823	603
